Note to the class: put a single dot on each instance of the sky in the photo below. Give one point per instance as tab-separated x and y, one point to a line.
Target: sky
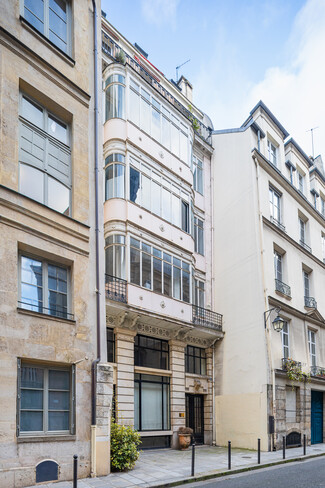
240	51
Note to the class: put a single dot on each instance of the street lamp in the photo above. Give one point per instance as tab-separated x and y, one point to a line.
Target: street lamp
278	322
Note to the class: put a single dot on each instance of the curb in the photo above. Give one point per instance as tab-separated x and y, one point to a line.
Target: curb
205	477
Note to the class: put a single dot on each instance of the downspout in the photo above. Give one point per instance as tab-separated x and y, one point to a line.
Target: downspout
97	360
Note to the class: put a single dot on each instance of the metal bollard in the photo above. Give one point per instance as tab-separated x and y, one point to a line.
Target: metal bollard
284	447
75	471
258	451
193	457
229	454
304	444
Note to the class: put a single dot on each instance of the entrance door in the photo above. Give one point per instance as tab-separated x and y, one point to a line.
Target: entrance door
316	417
195	416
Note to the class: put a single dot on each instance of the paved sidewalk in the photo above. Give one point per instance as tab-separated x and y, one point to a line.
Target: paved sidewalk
162	466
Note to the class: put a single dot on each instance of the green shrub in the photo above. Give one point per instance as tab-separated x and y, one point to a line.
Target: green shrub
124	443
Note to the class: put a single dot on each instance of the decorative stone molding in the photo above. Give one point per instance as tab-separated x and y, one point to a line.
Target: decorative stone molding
199	341
126	321
154	331
180	334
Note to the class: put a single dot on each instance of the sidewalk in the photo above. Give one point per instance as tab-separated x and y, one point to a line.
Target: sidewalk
163	466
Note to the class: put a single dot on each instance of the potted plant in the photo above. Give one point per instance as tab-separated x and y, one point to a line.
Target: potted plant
184	437
120	57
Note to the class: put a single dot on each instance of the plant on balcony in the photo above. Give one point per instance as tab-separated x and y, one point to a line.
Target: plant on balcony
124	446
195	123
294	371
120	56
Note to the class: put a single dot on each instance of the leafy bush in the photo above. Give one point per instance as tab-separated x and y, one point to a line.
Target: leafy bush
124	443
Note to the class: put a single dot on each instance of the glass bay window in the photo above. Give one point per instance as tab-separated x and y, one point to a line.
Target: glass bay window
115	258
115	97
114	176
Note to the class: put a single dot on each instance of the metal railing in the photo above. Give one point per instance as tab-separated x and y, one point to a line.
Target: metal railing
57	311
286	362
317	371
277	223
112	49
303	244
282	288
206	318
310	302
115	288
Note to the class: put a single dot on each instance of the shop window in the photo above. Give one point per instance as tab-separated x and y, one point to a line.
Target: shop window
151	352
151	402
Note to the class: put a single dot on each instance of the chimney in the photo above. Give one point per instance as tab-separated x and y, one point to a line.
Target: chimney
186	88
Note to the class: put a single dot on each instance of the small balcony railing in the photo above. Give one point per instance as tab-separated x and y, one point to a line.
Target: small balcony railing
282	288
115	288
55	311
277	223
289	363
317	371
206	318
310	302
303	244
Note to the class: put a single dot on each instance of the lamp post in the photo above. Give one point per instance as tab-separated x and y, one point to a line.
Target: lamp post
278	322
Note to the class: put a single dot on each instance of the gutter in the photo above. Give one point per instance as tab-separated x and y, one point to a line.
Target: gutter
97	360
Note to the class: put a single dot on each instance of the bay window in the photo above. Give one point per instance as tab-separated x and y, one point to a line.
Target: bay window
197	175
198	236
115	256
115	97
114	176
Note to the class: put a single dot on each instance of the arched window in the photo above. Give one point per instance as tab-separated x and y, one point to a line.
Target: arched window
114	176
115	97
115	256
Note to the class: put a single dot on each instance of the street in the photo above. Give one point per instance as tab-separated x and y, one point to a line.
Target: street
305	474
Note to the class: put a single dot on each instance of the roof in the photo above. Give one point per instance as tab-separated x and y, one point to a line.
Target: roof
301	151
262	105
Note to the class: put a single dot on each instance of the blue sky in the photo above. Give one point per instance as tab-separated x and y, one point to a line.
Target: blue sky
240	51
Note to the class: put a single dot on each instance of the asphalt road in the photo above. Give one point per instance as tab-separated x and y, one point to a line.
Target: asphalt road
305	474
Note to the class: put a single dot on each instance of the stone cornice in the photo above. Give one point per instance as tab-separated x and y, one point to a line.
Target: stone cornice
295	312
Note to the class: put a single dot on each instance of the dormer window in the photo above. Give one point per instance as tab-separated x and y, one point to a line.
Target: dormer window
272	152
301	182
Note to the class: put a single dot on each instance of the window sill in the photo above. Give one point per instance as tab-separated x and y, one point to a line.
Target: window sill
154	371
47	41
152	433
283	295
44	315
199	376
45	438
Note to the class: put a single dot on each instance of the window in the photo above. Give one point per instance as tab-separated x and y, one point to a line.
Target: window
44	157
272	152
322	206
150	352
301	182
156	270
306	277
52	18
115	256
291	404
195	360
114	176
323	246
115	97
151	402
44	287
45	399
198	236
159	195
275	205
285	340
110	345
199	294
197	175
278	266
302	231
312	347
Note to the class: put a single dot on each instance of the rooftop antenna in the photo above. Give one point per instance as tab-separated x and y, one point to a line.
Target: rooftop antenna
177	68
312	138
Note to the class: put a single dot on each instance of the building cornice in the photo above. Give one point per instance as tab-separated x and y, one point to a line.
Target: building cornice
295	312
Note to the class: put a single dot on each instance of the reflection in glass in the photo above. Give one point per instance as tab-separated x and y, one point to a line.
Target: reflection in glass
32	112
31	182
134	185
57	129
34	13
31	284
58	196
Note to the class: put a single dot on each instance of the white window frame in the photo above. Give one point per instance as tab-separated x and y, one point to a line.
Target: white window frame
306	279
275	210
46	23
285	333
115	162
311	343
197	233
272	152
198	174
301	181
302	230
278	266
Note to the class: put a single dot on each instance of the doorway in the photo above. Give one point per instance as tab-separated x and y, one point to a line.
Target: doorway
195	416
316	417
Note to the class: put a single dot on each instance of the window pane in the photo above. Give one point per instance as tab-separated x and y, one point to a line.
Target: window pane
31	284
174	140
119	180
32	377
155	198
109	103
109	260
145	192
200	180
32	112
31	421
109	182
136	406
120	262
31	182
183	147
120	101
151	404
146	270
155	124
58	420
186	286
167	279
166	202
185	213
176	283
134	107
135	186
31	399
145	116
34	13
176	211
135	266
58	196
59	400
157	275
57	129
59	380
165	132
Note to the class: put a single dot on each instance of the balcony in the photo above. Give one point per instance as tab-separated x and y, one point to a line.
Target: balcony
310	302
277	223
283	288
288	363
318	372
115	288
206	318
304	245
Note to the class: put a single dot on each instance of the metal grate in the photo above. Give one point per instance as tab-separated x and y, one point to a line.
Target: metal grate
317	371
304	245
293	439
115	288
310	302
206	318
277	223
283	288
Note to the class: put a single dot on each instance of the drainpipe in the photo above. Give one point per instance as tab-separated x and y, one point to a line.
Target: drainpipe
97	360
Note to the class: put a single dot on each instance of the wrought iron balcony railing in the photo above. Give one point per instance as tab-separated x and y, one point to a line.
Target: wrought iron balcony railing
206	318
115	288
310	302
277	223
55	311
288	362
303	244
317	371
282	288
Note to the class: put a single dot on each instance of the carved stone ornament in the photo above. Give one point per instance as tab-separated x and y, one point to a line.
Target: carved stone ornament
154	331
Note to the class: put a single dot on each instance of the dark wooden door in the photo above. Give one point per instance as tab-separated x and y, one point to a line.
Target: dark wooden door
195	416
316	417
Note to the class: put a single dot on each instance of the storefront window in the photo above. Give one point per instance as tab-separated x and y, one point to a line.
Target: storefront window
151	402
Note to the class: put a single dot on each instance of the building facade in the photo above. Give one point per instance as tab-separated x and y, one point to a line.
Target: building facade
48	304
269	264
161	321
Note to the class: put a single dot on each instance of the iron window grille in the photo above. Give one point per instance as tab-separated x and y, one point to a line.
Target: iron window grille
282	288
206	318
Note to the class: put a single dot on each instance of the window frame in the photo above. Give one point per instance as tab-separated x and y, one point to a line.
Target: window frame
198	174
46	24
306	281
116	238
278	265
160	351
312	342
45	287
113	82
285	332
196	353
140	378
199	235
301	182
22	362
272	150
275	210
117	159
110	342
